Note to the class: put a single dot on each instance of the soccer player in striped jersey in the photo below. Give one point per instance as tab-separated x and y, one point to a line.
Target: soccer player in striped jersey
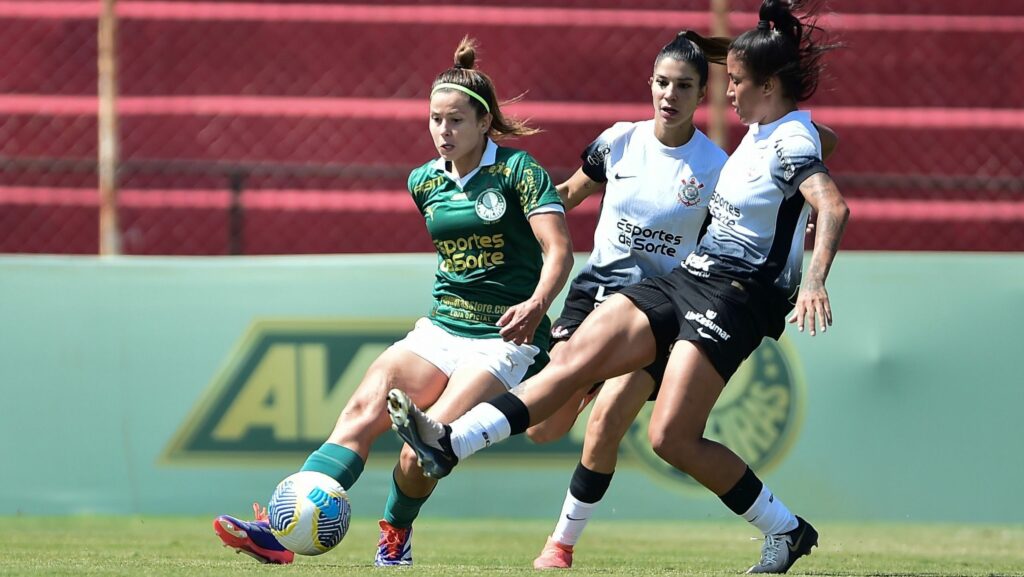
663	206
504	253
737	287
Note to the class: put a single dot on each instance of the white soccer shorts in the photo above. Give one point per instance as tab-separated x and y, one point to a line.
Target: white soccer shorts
505	360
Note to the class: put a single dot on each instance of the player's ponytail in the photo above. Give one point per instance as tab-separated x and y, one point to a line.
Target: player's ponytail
464	77
786	46
689	46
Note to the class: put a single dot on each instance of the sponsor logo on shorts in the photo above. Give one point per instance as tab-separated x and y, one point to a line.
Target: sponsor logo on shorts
758	415
705	335
705	320
559	332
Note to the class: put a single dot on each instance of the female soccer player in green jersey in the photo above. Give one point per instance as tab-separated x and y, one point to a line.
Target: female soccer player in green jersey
504	253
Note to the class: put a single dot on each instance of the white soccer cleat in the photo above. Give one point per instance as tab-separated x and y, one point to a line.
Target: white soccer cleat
779	552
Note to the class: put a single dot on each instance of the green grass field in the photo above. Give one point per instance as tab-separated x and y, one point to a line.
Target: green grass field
187	546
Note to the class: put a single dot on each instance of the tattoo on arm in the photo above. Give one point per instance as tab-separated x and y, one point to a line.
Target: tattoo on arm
821	192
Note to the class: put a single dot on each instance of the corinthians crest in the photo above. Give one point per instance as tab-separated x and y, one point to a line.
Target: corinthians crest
689	194
758	415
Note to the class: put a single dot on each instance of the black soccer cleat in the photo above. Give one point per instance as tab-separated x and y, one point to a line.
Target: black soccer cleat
429	439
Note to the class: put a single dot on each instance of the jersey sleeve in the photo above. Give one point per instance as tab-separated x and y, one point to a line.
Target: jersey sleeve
596	156
414	184
532	184
796	158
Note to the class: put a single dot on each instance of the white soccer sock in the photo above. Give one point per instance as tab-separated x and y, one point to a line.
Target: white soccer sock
480	427
573	520
769	514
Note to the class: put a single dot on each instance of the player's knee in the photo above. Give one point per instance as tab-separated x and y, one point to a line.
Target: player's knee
571	364
605	424
672	448
364	417
370	397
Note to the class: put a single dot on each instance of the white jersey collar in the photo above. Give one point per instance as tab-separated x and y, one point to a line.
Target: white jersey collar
759	130
681	151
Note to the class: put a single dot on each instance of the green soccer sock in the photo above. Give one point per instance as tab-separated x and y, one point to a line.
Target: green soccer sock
335	461
401	510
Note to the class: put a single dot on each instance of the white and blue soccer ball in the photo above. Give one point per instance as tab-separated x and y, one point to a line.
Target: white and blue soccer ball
309	513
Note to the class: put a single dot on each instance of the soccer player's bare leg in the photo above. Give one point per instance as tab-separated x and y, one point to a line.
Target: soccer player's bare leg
410	489
615	409
688	393
615	340
557	425
364	417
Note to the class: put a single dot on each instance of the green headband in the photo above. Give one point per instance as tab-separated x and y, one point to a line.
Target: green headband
461	88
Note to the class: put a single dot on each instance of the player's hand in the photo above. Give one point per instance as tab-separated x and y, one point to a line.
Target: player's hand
520	321
809	231
812	308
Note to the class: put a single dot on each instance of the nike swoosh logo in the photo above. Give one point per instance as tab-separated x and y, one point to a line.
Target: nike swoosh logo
795	547
571	519
621	176
701	332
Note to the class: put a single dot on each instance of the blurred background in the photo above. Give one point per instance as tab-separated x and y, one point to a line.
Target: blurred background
178	379
282	128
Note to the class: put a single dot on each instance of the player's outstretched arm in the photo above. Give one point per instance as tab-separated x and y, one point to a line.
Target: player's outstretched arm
812	305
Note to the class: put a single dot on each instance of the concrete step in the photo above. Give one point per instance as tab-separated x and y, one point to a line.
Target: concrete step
340	50
191	222
940	142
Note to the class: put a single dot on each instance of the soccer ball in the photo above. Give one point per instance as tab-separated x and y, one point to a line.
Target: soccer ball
309	513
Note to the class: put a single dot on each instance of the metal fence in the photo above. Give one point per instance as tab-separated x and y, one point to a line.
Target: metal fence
287	127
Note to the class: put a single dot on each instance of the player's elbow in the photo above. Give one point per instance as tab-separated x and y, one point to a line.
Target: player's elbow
839	210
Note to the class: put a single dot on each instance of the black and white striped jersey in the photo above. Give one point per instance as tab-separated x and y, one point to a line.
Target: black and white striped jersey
758	216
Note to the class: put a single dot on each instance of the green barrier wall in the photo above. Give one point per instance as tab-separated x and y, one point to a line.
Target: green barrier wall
185	386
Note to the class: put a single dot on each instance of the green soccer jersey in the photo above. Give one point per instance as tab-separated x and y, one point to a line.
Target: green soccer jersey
488	258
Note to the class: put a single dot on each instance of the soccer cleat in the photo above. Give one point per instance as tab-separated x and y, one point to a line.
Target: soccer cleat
779	552
252	537
429	439
394	547
554	555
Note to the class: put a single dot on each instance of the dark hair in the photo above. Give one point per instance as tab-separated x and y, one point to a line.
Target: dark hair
688	46
786	46
464	74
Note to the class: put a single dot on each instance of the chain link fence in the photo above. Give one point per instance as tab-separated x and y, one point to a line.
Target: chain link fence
288	127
